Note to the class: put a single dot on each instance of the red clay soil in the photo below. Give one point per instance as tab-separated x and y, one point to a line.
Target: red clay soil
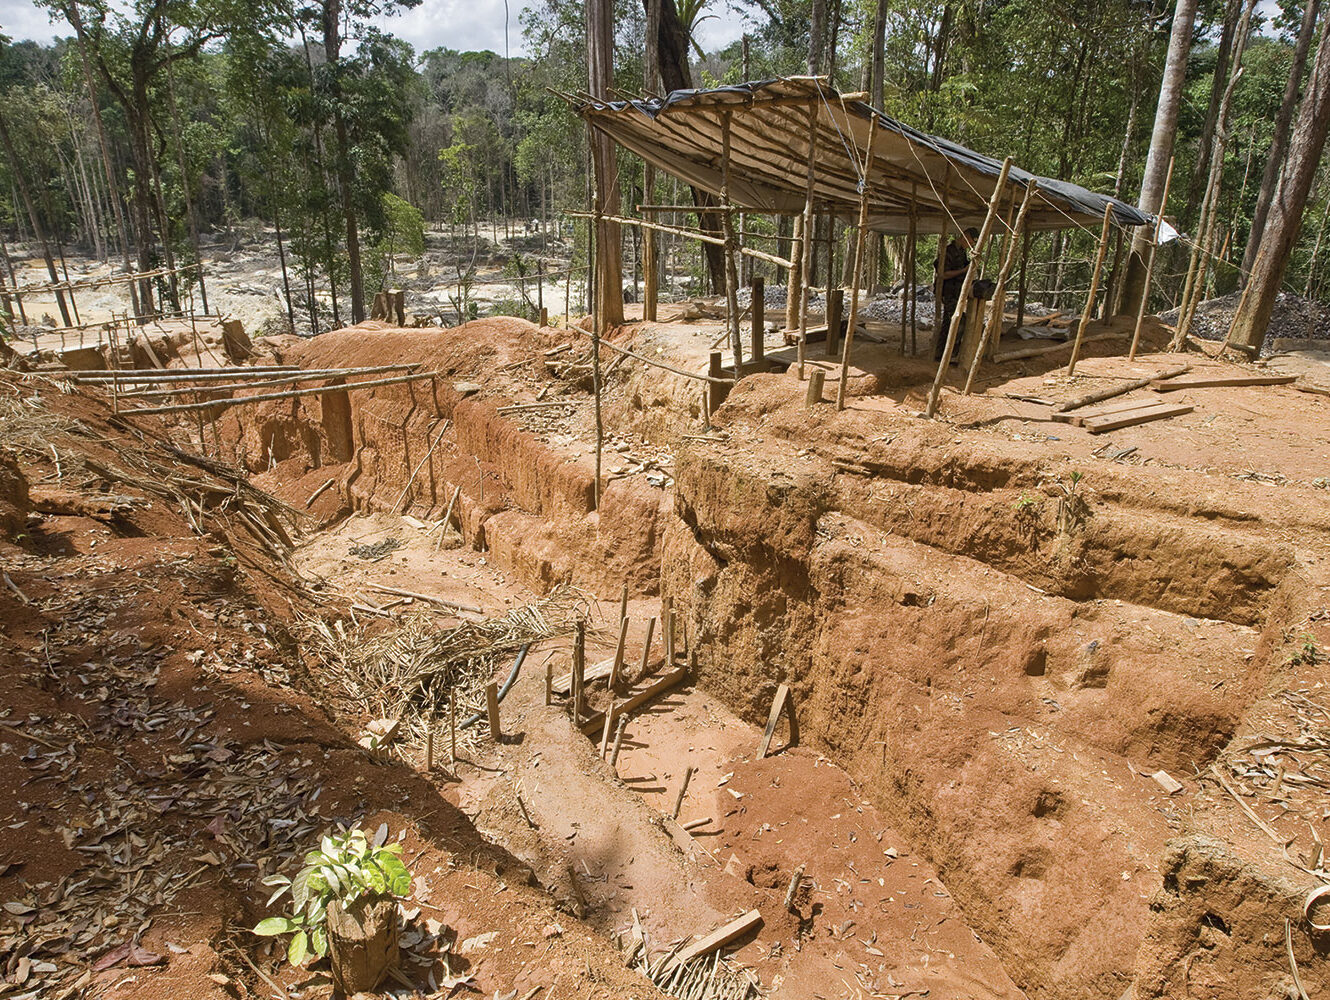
157	760
999	625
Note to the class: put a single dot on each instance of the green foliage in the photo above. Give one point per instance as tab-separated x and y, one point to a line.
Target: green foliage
346	867
402	232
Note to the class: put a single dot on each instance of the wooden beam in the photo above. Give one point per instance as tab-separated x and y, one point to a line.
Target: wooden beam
1113	422
718	938
657	687
1120	390
1172	385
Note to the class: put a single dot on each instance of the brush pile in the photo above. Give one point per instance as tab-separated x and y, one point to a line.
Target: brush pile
410	671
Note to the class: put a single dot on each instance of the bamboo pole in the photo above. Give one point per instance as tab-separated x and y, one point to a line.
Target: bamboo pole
912	275
967	284
688	233
727	224
859	235
1000	293
1150	264
289	394
1094	289
806	247
793	284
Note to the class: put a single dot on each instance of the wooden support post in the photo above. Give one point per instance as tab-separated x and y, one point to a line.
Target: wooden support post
669	638
617	666
911	255
1094	289
940	265
618	740
715	370
783	702
1150	265
492	710
861	231
650	260
758	348
579	668
993	331
835	313
623	602
429	746
806	244
452	726
646	647
966	286
816	380
794	276
683	790
727	222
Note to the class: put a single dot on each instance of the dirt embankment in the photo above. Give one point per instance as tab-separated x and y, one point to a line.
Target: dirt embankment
1000	643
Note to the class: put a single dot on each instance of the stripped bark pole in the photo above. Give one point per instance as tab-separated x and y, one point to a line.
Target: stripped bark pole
967	284
860	233
683	790
993	331
727	221
940	265
646	646
1094	289
617	666
806	246
618	740
1150	264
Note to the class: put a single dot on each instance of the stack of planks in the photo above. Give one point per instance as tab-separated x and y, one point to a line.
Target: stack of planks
1127	414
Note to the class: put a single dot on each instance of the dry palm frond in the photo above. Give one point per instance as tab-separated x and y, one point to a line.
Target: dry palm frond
412	669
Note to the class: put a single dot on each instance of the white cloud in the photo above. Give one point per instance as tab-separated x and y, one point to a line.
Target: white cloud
21	20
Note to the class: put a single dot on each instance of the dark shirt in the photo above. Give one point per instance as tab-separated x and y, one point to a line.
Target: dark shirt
956	258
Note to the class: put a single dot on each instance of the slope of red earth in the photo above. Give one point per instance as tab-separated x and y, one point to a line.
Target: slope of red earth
998	625
158	757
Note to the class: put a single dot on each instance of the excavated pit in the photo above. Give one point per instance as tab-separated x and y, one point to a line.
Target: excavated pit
996	653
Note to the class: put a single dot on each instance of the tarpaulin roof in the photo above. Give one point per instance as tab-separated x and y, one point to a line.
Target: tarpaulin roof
770	121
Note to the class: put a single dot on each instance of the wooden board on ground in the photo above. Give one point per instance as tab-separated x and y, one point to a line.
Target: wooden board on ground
563	684
1113	421
1079	419
1202	382
718	938
591	725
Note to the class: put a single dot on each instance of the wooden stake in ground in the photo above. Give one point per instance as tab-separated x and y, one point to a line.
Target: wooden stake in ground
623	603
856	272
429	746
1094	289
1150	264
618	654
782	702
605	735
618	739
452	726
967	285
646	646
579	668
549	684
492	710
993	331
683	789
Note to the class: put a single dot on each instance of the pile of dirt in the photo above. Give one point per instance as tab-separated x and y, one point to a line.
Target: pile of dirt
159	757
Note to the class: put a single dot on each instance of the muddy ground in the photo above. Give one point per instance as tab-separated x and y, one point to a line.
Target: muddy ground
1061	696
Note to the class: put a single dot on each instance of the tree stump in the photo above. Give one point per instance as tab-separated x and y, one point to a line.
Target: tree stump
362	942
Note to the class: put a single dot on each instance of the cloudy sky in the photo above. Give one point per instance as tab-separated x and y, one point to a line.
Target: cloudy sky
456	24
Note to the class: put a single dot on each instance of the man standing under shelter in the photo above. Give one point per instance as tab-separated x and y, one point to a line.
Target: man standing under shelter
954	265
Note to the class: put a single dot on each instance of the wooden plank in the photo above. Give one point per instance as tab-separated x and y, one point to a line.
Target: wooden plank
563	684
1208	383
1079	419
718	938
1115	421
659	686
777	704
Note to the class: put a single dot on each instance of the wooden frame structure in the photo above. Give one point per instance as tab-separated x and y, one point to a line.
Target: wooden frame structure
796	146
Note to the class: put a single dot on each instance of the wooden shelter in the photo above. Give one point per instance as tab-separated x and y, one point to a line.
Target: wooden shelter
774	125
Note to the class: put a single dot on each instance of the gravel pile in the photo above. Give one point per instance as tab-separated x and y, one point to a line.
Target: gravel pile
1294	318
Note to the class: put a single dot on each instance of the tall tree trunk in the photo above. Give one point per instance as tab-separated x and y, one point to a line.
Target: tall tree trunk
1161	147
1201	174
37	231
1279	142
185	184
1286	208
332	51
675	74
600	78
817	32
